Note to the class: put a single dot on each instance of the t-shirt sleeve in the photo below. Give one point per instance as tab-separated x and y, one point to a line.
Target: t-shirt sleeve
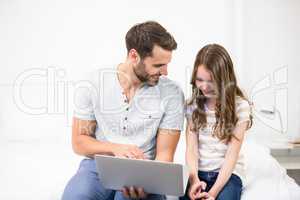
173	116
83	95
243	111
188	111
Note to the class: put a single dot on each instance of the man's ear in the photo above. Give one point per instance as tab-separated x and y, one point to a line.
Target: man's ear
134	56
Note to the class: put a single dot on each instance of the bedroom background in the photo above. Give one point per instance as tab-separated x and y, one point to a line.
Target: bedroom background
46	45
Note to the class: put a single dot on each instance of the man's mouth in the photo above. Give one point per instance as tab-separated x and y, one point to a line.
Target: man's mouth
156	77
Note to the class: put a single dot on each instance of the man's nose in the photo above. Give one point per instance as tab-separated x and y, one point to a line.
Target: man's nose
164	70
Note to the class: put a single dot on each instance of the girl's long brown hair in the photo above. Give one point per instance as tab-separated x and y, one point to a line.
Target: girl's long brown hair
216	59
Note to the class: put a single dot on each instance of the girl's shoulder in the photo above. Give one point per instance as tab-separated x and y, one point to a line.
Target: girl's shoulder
189	107
190	104
241	103
243	109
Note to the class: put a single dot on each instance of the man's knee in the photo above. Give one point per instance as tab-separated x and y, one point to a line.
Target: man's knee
78	188
77	195
85	185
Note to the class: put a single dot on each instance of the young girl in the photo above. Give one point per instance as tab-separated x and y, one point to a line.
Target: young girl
218	115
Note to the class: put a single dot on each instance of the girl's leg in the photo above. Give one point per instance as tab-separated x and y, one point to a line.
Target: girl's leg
232	190
208	177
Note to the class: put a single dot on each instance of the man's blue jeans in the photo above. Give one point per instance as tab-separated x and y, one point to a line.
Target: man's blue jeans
85	185
231	191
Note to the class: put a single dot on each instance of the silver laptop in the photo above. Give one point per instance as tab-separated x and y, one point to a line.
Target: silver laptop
154	176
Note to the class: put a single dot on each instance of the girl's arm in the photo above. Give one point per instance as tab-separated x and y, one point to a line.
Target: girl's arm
191	153
231	158
196	186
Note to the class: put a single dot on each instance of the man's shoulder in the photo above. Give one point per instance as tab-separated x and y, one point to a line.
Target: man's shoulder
168	86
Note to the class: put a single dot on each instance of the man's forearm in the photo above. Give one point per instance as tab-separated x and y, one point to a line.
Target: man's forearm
167	157
167	141
88	146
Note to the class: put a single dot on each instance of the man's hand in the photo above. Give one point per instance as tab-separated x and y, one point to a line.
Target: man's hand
128	151
196	189
134	193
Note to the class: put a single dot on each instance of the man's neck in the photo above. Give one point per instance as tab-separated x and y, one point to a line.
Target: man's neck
127	77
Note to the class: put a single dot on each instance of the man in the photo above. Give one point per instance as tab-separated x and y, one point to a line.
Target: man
134	112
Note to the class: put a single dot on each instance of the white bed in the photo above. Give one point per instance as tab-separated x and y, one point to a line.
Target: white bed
266	179
40	170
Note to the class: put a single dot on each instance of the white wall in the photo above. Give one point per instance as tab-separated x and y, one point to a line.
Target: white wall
76	36
270	49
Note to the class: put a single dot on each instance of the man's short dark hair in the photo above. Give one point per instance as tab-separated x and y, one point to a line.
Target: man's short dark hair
143	36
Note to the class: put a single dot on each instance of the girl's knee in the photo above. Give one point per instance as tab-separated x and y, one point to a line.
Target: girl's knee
231	191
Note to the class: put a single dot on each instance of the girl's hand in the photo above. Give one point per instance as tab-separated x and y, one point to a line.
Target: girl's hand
196	189
206	196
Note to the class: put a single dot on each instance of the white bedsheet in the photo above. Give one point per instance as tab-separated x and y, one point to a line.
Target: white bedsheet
266	179
35	171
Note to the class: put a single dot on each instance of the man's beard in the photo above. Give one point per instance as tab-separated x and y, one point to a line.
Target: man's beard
143	76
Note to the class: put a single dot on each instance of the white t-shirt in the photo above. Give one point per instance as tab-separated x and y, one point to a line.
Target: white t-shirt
211	150
100	97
